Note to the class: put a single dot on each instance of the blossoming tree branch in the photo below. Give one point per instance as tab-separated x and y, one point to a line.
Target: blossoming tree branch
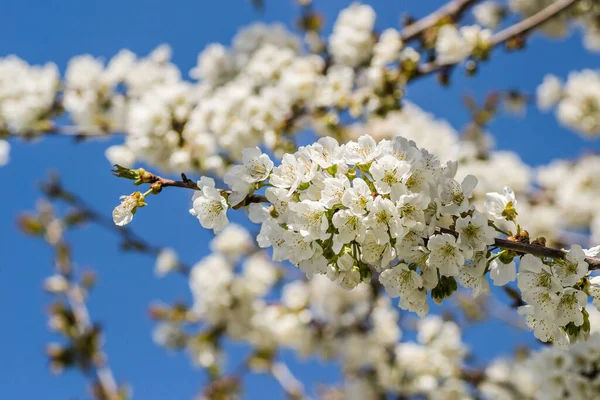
385	205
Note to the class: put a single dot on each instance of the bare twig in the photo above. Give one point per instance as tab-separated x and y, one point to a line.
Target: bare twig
451	9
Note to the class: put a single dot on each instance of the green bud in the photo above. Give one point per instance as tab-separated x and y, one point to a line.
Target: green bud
506	257
127	173
332	170
365	275
303	186
351	174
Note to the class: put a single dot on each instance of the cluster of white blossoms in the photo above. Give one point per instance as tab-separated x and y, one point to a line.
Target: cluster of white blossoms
257	92
549	373
577	101
584	14
555	295
346	210
454	44
489	14
236	296
572	189
554	199
27	95
391	209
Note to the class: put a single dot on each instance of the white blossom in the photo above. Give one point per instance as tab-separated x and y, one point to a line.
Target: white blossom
166	261
209	206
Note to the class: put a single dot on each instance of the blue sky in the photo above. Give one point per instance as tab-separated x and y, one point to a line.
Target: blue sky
56	31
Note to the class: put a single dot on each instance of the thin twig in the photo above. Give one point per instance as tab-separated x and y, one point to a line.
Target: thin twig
452	9
519	247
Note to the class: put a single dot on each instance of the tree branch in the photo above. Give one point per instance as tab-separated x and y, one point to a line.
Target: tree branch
528	248
451	9
519	247
158	182
512	32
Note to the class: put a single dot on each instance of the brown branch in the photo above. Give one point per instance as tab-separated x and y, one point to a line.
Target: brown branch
452	9
158	182
533	249
519	247
512	32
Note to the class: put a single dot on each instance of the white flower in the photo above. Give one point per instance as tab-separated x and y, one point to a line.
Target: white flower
358	198
400	280
411	208
376	248
256	168
455	196
501	206
214	66
474	233
383	216
387	49
350	227
595	291
310	219
579	107
334	191
291	173
416	302
363	151
316	264
453	46
259	274
450	46
326	152
56	284
295	295
4	152
166	261
209	206
445	254
569	307
347	274
549	92
387	172
123	213
473	276
533	273
234	242
572	268
300	248
121	155
352	39
502	273
488	14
